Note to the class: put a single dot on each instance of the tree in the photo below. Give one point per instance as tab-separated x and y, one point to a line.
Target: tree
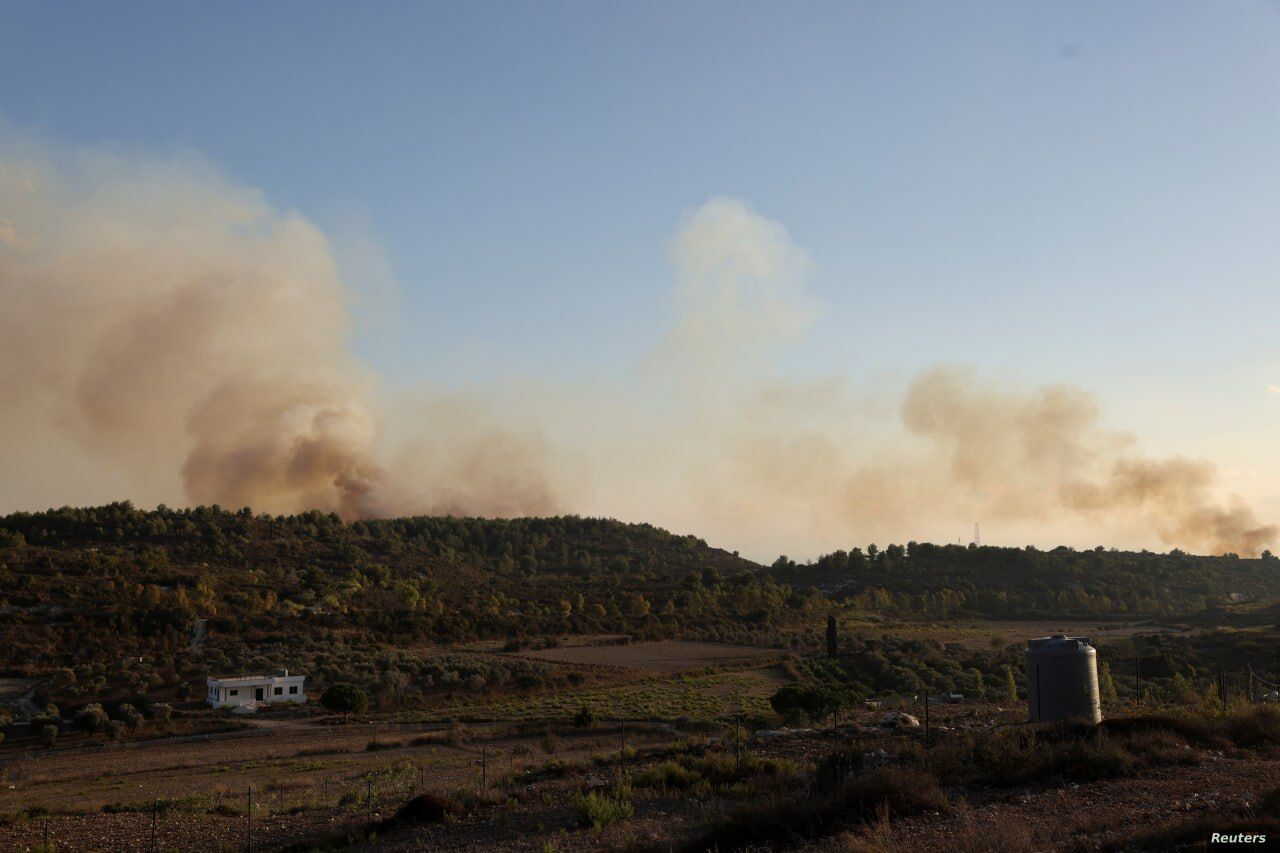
1106	685
49	735
345	698
1010	685
833	637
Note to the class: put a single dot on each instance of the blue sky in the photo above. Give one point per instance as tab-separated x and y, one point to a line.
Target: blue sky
1081	192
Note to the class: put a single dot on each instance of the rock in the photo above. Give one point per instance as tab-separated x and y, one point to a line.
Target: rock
900	720
876	758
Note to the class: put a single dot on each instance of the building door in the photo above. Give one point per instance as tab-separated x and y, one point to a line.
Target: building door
257	694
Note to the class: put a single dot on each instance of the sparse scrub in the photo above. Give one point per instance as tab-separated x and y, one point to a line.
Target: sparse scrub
597	810
895	790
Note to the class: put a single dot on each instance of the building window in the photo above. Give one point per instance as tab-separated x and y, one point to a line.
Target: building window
293	689
279	691
235	692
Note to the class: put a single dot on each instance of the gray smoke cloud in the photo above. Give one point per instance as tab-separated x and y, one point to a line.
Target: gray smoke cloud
169	336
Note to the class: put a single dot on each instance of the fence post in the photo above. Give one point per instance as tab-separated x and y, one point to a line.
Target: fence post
155	811
484	768
249	814
737	745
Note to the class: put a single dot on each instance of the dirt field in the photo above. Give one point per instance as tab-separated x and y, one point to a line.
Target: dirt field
666	656
305	777
310	779
977	635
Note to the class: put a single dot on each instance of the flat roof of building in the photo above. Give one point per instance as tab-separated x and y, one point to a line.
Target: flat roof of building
241	679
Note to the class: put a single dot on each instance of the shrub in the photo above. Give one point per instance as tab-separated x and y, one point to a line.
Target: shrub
1087	761
1009	756
584	718
597	810
129	715
91	718
375	745
161	712
345	698
49	735
895	791
425	808
671	775
115	729
1255	726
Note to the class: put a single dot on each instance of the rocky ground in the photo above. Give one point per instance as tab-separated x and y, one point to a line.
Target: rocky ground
329	786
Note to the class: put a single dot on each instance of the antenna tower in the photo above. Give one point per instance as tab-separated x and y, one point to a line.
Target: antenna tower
977	537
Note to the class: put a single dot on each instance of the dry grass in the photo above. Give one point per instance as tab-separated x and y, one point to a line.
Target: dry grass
664	656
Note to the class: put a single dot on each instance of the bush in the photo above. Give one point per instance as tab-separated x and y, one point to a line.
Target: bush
129	715
1092	760
425	808
671	775
115	729
91	718
897	791
584	718
49	735
1255	726
345	698
375	745
597	810
161	712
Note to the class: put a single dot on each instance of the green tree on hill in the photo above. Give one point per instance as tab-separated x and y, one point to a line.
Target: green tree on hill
345	698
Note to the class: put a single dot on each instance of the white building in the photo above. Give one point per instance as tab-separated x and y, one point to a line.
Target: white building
252	689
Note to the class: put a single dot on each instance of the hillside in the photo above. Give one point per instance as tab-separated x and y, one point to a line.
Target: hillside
110	581
92	587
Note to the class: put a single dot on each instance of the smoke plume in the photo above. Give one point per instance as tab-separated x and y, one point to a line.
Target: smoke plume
168	336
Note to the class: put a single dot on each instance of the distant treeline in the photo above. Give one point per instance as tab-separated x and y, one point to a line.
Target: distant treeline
953	580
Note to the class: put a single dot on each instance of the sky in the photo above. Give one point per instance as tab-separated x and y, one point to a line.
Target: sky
1082	193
